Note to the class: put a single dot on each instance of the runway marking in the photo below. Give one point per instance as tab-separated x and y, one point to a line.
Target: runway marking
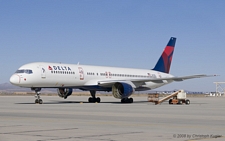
11	126
37	133
93	136
30	131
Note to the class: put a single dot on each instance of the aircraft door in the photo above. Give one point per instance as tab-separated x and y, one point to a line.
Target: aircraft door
43	72
81	73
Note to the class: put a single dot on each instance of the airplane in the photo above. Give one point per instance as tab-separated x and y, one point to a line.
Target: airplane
123	82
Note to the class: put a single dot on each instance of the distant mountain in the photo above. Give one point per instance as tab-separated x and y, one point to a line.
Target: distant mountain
5	86
9	88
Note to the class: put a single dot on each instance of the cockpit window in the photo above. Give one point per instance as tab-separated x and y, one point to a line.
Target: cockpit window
24	71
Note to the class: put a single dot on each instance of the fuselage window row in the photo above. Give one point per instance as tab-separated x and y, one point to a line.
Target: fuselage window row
62	72
90	73
123	75
102	74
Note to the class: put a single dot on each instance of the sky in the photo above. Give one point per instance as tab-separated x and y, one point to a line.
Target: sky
117	33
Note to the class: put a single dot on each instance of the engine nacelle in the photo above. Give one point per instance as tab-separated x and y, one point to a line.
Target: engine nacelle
122	90
64	92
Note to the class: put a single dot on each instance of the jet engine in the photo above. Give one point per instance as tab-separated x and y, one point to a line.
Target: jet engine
64	92
122	90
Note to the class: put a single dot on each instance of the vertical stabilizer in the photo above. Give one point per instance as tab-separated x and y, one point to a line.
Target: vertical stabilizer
164	62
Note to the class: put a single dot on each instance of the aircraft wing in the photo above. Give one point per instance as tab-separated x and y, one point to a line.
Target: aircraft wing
175	78
137	82
189	77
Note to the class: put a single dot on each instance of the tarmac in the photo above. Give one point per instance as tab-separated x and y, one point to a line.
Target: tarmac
74	119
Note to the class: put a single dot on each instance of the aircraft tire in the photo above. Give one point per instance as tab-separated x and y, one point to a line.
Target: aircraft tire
131	100
36	101
98	100
127	100
90	100
123	100
40	101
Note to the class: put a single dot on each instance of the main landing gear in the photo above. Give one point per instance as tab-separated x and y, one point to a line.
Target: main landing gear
93	99
38	100
127	100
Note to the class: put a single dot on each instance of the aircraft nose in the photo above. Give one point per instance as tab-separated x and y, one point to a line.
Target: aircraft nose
14	79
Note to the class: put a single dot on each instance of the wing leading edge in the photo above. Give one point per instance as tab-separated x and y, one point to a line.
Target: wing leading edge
138	82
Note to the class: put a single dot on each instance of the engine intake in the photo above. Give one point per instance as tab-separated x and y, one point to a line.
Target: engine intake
64	92
122	90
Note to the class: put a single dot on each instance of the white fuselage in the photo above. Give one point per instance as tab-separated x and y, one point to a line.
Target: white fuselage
56	75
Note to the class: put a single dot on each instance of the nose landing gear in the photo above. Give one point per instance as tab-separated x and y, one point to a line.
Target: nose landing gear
38	99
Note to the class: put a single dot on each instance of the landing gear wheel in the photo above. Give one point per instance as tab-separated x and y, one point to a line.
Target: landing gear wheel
93	99
40	101
131	100
187	101
90	100
98	100
127	100
36	101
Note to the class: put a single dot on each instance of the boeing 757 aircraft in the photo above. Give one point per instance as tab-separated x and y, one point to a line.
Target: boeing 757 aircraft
123	82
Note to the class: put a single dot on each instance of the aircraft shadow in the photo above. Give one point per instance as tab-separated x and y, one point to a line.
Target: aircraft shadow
82	102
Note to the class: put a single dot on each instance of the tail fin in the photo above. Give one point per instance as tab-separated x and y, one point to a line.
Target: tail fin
163	64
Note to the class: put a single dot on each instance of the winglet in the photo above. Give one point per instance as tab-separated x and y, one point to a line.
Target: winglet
164	62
